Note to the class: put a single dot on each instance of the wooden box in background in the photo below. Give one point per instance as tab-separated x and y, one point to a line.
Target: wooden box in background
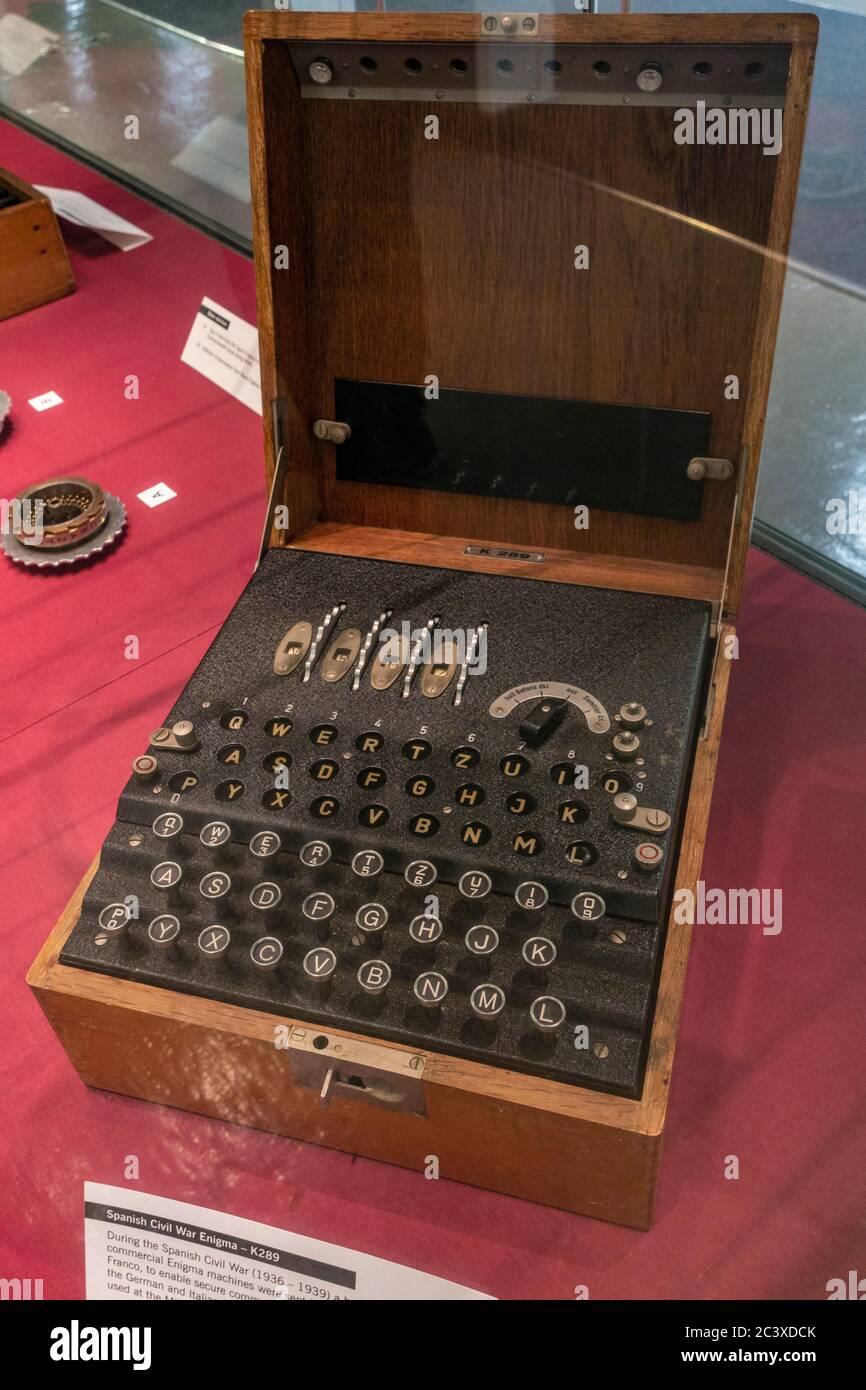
34	266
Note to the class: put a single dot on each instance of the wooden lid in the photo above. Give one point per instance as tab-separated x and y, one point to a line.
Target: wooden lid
525	220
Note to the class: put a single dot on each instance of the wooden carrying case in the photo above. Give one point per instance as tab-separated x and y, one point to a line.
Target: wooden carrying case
385	256
34	266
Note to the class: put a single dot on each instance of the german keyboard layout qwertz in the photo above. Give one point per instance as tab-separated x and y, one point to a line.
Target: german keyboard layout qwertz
418	804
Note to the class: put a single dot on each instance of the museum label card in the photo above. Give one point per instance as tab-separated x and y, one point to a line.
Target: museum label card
21	43
84	212
138	1246
225	349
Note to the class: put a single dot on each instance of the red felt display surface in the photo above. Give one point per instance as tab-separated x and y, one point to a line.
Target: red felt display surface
770	1061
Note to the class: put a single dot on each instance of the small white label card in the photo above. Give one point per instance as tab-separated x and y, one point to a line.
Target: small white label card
22	42
84	212
218	154
156	495
45	401
225	349
138	1246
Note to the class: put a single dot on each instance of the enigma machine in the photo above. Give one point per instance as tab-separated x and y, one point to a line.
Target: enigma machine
397	871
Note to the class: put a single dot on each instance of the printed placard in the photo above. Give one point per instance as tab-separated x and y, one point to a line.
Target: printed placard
142	1247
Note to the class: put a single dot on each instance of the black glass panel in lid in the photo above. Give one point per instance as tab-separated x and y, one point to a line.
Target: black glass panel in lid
617	458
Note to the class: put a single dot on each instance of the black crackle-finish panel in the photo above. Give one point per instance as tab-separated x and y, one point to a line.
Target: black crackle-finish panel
597	972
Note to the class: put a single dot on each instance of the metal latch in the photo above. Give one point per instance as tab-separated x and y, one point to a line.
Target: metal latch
718	469
341	1067
332	431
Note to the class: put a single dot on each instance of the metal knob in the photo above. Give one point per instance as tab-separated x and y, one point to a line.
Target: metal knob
184	734
649	79
321	71
624	808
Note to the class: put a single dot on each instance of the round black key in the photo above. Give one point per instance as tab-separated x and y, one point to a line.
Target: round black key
264	896
114	919
230	790
470	794
474	884
425	930
234	719
168	825
168	874
183	782
530	895
232	753
371	777
318	907
547	1013
423	825
277	799
265	843
323	735
367	863
475	832
420	873
163	930
514	765
464	758
572	812
374	976
266	953
372	917
214	941
278	726
588	907
277	762
315	853
420	786
430	989
324	770
324	807
520	804
582	853
539	952
215	885
373	816
416	750
370	743
215	834
487	1000
481	940
320	963
563	774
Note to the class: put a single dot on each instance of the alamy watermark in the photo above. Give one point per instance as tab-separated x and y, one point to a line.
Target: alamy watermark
22	518
735	907
437	646
729	125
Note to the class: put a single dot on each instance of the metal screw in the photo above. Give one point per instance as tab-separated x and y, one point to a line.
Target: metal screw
601	1050
617	936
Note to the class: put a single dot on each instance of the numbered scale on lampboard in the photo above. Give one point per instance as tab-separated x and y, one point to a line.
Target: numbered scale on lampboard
424	805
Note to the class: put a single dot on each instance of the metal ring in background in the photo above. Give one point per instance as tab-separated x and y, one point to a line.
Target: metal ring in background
69	511
59	522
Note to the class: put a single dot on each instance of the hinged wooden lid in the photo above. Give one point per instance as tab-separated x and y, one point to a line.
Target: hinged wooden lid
422	188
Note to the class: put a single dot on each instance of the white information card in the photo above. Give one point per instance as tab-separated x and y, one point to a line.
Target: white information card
138	1246
84	212
225	349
